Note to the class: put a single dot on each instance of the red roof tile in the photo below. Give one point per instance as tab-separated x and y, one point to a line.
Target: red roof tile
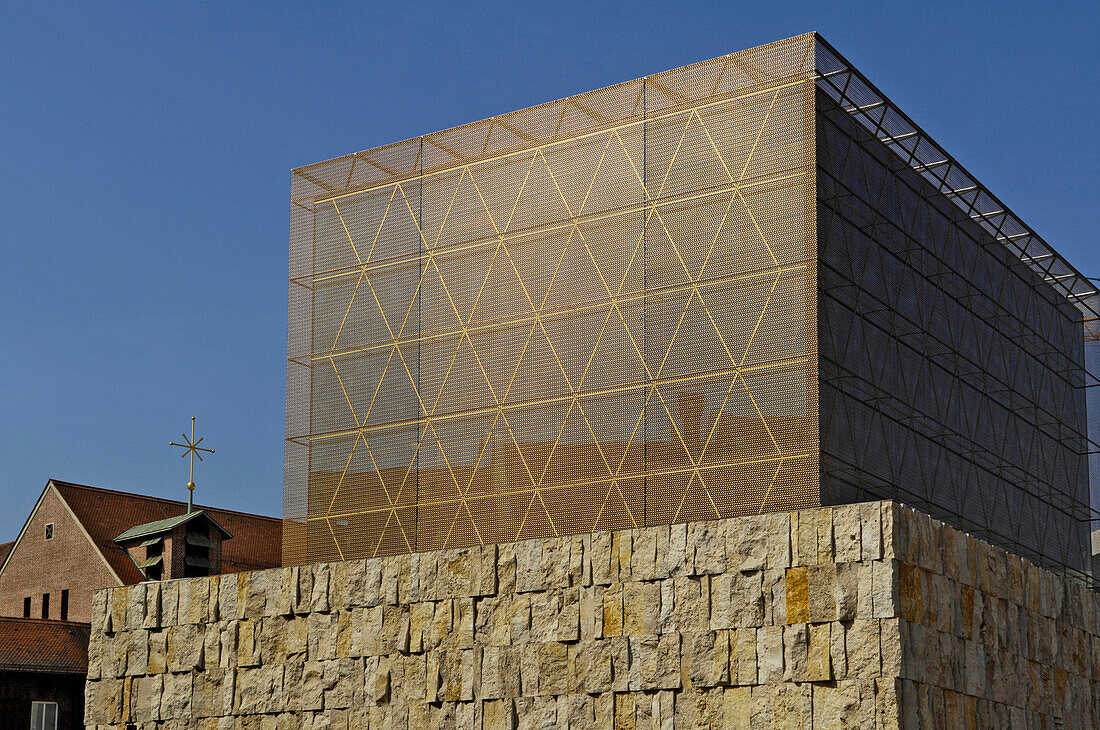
38	645
106	514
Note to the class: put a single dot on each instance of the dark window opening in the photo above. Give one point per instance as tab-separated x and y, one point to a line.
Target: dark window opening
65	604
27	607
45	605
196	561
49	530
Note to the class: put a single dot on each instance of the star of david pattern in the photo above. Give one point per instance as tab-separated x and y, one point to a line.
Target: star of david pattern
610	330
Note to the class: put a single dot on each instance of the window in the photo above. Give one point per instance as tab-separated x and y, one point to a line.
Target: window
49	530
27	607
45	605
43	716
65	605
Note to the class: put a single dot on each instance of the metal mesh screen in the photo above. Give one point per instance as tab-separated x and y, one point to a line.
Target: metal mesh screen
952	378
592	314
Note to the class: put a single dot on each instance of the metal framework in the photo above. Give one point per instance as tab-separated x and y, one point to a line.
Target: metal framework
596	313
593	314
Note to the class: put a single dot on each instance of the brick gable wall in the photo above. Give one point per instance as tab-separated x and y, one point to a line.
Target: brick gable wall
38	566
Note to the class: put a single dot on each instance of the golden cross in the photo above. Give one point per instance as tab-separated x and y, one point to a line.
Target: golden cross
191	447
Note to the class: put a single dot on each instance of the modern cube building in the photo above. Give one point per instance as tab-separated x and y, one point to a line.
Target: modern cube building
746	285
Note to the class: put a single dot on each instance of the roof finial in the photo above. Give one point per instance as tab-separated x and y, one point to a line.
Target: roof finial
191	447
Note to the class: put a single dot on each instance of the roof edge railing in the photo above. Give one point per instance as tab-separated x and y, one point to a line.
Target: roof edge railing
874	111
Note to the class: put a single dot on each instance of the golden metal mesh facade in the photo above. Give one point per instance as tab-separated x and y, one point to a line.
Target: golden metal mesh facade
592	314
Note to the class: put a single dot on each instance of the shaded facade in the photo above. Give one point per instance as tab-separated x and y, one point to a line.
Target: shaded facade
42	672
652	303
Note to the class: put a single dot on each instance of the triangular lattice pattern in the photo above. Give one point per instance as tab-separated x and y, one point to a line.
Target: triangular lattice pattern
613	327
951	376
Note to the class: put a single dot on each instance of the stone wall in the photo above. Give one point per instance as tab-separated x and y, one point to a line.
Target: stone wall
863	616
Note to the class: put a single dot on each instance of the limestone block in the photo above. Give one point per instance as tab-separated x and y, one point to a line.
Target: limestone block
596	666
847	533
774	596
743	658
621	548
769	652
819	653
747	542
137	652
846	591
157	656
591	612
568	618
259	690
885	600
500	673
861	640
184	647
176	700
822	591
601	559
103	701
911	592
641	607
344	681
529	566
553	659
152	607
321	636
643	559
393	636
116	614
778	529
838	652
462	628
798	594
710	547
319	595
890	516
484	580
674	559
722	589
796	640
96	643
890	648
691	604
708	658
667	619
135	606
196	601
537	713
839	706
886	703
498	714
555	571
145	697
737	708
613	610
625	670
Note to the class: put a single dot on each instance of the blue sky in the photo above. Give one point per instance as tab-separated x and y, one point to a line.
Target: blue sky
146	151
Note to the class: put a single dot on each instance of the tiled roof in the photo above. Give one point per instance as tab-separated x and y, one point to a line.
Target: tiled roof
38	645
5	548
152	528
105	514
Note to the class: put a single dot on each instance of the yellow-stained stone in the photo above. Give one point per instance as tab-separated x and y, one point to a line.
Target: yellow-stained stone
798	595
